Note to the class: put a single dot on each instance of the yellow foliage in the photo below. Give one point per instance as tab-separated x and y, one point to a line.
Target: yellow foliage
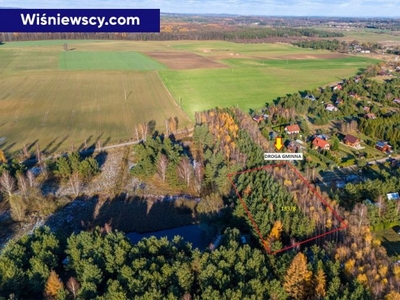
353	246
362	278
320	284
368	238
392	296
3	158
53	285
298	278
396	271
359	254
328	223
341	253
376	242
287	182
349	267
276	230
383	271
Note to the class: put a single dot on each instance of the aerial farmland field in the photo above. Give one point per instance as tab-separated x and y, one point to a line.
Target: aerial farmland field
53	98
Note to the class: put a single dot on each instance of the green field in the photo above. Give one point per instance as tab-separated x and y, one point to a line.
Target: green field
74	60
53	97
303	64
251	87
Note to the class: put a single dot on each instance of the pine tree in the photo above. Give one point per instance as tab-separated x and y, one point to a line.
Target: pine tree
320	284
53	285
298	278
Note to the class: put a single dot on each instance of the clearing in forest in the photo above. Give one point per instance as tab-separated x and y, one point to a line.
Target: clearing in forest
283	209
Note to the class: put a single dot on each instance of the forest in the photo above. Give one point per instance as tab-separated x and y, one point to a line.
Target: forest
335	45
231	33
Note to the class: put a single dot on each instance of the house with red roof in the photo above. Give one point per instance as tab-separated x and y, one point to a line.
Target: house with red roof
292	129
370	116
320	144
351	140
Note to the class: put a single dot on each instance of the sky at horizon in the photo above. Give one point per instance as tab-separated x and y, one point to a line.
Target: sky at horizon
338	8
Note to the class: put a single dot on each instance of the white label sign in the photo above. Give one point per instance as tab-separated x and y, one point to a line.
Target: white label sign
283	156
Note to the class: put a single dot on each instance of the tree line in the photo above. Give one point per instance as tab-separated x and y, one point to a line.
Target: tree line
234	34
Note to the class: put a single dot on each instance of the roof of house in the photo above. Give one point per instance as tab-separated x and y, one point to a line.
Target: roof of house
320	143
330	107
370	116
292	128
351	139
393	196
311	97
382	144
256	117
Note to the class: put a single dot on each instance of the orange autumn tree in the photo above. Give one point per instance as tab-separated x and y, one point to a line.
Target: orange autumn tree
276	231
53	285
297	280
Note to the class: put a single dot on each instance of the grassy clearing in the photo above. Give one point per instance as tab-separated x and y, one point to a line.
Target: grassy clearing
390	240
57	109
74	60
248	87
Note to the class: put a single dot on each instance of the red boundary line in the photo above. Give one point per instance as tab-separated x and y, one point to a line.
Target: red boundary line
255	226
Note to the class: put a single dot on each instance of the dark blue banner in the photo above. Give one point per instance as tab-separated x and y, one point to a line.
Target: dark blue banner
79	20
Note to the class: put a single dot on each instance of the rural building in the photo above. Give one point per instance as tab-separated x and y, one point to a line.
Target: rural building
397	100
310	97
339	101
370	116
331	107
383	146
337	87
292	129
354	95
292	146
320	144
366	109
257	118
351	140
393	196
322	136
273	135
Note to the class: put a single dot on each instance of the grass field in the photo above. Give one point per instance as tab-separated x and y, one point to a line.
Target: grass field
74	60
251	87
390	240
56	109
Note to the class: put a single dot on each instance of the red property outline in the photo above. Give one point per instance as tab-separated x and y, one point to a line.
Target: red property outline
255	226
